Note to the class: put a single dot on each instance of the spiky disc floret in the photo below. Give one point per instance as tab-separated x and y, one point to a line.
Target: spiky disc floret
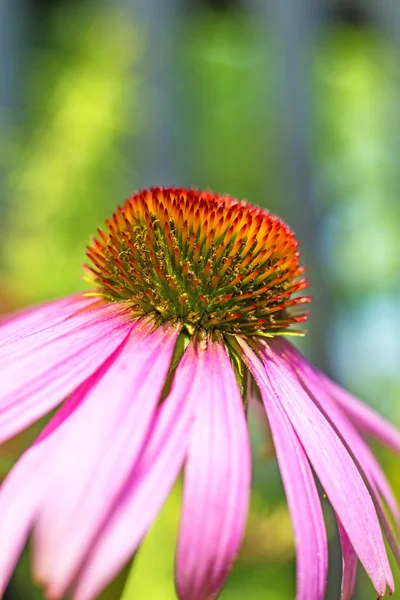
209	261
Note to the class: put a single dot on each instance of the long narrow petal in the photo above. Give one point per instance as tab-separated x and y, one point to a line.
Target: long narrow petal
315	386
373	475
331	461
150	481
359	450
29	320
22	492
304	505
365	417
367	464
99	447
388	530
216	483
19	504
349	565
70	321
40	369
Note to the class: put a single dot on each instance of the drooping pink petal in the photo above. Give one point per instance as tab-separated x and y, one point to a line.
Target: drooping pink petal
304	505
368	465
81	317
151	479
22	492
316	389
373	475
330	460
216	483
365	417
43	367
19	504
27	321
388	530
358	448
99	446
349	565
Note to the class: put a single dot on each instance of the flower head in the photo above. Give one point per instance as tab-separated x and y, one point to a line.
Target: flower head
203	261
191	293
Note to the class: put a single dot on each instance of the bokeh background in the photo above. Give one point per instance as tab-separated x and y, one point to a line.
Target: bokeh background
293	104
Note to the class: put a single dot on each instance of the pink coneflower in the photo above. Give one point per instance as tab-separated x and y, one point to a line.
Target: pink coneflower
192	294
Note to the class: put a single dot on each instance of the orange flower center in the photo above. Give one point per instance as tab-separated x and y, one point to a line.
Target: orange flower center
209	261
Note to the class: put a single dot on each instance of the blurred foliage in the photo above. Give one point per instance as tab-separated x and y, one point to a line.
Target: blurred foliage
70	162
222	61
357	79
358	88
67	173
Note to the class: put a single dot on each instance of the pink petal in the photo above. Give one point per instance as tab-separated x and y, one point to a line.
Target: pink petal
364	417
216	483
100	444
19	504
316	389
22	492
349	565
304	504
40	369
151	479
331	462
82	318
388	530
373	475
40	317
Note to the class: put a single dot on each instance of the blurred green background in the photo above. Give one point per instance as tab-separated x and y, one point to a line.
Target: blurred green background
293	104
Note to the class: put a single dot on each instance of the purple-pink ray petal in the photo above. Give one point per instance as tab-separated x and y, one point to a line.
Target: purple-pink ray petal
365	417
311	379
304	505
41	369
151	479
78	320
314	385
216	483
98	447
332	463
21	494
41	317
349	564
388	530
